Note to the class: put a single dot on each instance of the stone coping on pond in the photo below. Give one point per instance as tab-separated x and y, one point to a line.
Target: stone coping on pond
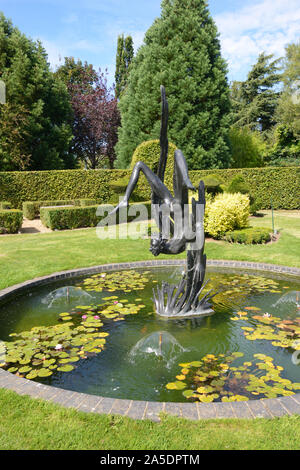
264	408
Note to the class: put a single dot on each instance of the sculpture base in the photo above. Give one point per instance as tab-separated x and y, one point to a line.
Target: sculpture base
181	301
205	312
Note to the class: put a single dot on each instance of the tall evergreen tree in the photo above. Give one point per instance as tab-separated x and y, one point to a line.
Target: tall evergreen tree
254	101
123	60
288	111
32	90
181	52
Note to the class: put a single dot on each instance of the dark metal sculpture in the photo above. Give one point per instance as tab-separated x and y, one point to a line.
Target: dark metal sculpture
177	229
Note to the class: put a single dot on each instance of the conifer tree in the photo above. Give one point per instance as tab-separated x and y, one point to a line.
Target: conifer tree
288	111
182	52
254	101
123	60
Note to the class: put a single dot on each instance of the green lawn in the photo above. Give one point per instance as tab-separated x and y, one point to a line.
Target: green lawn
24	257
33	424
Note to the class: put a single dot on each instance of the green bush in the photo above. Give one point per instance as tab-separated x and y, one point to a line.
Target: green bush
248	236
149	153
225	213
239	185
213	184
5	205
63	218
10	221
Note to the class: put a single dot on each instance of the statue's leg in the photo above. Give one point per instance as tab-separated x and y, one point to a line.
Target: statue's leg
155	183
182	181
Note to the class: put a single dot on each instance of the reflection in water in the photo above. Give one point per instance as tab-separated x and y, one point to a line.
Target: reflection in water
66	296
161	345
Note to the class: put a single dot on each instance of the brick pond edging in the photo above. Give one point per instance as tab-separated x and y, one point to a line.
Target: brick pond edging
264	408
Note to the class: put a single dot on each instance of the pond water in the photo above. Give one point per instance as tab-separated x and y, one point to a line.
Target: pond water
123	349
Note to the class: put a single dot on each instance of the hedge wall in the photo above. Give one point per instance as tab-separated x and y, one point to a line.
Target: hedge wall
18	187
281	184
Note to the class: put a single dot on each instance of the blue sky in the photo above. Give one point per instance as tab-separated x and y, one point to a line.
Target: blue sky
88	29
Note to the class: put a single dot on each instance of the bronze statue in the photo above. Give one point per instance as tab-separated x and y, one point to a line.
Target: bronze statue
182	299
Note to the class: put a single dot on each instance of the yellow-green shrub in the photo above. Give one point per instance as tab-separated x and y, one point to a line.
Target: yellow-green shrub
225	213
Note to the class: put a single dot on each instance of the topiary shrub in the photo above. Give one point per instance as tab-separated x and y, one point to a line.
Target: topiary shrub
239	185
249	236
213	184
149	153
225	213
11	221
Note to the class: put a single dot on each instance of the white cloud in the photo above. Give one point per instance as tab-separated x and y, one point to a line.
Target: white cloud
56	52
264	26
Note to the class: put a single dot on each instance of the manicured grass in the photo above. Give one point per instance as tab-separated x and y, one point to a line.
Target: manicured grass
24	257
33	424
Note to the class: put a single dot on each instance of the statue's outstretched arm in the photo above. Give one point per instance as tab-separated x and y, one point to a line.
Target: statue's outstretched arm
157	187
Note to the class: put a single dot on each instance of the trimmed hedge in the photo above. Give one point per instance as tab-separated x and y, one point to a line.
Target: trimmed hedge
85	202
279	183
31	209
5	205
249	236
119	187
10	221
21	186
64	218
